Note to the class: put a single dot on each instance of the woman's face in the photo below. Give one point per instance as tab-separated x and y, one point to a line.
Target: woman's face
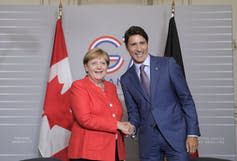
97	69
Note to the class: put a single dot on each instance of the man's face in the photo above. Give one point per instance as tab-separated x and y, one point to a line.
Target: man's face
138	48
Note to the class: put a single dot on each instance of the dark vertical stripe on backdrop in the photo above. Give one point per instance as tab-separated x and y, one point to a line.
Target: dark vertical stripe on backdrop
172	48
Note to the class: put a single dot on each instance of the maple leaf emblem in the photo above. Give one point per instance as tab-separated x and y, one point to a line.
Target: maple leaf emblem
57	105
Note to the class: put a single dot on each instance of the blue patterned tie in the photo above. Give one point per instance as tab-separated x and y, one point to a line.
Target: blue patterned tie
144	79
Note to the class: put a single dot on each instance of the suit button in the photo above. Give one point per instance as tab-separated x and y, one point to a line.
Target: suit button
113	115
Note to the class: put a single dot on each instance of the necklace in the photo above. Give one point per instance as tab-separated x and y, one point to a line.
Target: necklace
100	85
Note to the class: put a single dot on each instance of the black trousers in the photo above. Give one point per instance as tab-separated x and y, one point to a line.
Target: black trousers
116	156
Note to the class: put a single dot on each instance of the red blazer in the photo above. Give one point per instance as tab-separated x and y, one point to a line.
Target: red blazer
96	113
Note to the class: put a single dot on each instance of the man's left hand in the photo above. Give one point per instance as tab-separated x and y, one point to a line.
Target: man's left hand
192	144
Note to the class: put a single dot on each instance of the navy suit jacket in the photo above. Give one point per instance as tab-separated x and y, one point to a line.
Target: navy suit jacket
171	104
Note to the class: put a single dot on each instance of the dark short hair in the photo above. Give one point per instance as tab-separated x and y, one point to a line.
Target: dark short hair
135	30
96	53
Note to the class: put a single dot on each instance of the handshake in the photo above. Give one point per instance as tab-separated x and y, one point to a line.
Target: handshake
127	128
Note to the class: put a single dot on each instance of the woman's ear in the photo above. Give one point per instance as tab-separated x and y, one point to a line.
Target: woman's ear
86	68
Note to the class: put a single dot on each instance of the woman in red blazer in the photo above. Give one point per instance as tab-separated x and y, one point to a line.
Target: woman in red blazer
96	132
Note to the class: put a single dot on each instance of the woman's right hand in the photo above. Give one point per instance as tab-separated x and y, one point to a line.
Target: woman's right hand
126	127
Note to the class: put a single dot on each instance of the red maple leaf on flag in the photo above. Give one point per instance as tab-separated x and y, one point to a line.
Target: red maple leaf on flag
60	115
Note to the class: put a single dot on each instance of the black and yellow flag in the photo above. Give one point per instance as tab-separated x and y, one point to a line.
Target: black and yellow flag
172	48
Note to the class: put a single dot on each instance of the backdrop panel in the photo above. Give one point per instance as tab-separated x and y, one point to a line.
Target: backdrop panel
26	38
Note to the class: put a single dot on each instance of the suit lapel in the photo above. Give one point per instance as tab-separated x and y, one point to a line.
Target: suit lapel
133	77
154	74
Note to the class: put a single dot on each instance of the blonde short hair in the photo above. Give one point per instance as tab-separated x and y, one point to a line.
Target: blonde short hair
96	53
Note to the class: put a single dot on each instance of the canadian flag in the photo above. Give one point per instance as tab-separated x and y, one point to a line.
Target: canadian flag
57	118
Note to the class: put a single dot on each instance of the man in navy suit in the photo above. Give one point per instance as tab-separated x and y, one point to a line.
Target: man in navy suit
165	116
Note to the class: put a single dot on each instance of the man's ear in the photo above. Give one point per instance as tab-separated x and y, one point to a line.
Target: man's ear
126	47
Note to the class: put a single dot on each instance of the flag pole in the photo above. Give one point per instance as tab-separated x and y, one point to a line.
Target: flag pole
60	10
57	120
173	9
